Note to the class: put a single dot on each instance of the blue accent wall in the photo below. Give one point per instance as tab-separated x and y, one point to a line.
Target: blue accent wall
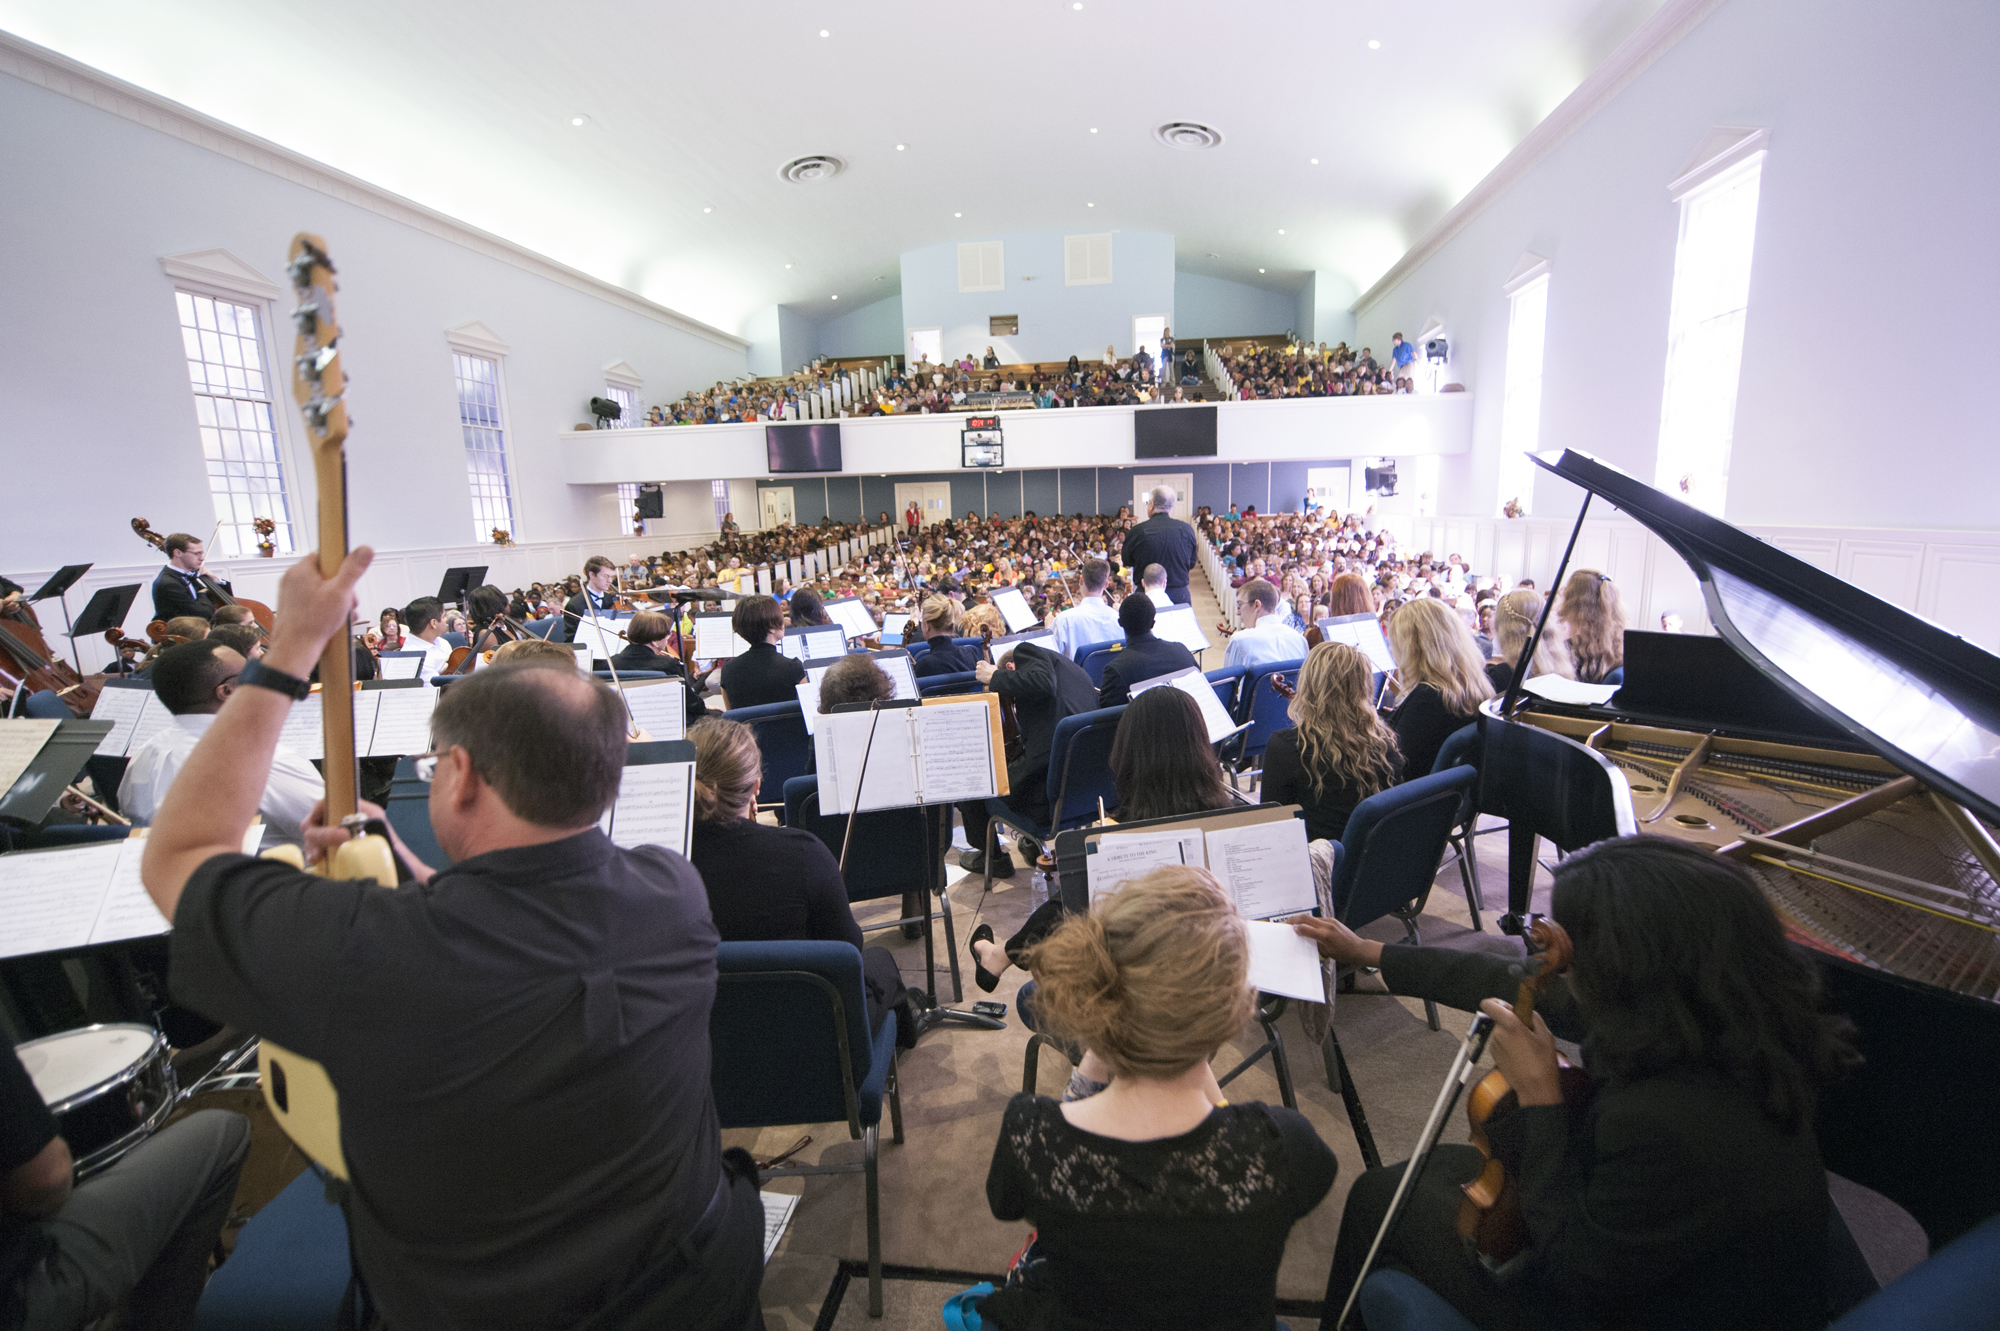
1040	487
1218	308
1079	489
1250	483
1003	493
1211	487
843	498
968	493
1288	487
878	495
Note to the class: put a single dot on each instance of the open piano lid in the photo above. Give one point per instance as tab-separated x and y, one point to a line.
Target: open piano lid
1926	700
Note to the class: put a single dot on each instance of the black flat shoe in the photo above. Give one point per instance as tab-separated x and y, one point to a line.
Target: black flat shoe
984	978
974	862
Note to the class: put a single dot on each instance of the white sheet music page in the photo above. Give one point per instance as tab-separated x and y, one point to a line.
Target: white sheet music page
659	706
600	634
121	707
1013	608
1265	867
49	899
402	721
715	640
1284	962
399	665
902	673
128	911
302	733
1120	856
655	806
151	722
1195	684
20	740
955	753
841	745
808	691
1180	625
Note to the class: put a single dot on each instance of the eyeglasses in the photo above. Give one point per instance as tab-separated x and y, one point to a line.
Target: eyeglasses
426	764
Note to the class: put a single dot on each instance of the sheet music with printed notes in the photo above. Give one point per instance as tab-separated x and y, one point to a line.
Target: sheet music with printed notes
1013	608
1363	633
1264	867
49	899
715	640
402	721
854	618
659	706
1197	686
1180	625
303	733
778	1208
121	703
21	738
399	665
1004	647
600	635
655	806
151	722
128	911
1118	857
941	753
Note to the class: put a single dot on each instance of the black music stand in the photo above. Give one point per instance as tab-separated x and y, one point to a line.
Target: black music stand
58	585
107	610
458	581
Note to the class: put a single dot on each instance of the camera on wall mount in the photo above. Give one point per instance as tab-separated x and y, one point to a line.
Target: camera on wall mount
606	411
1380	480
1436	350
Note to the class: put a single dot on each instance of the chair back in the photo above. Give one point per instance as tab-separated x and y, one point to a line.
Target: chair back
940	686
1080	767
788	1035
1460	749
971	644
1093	663
409	811
782	737
455	639
1394	843
1261	706
917	649
1228	683
889	855
77	834
609	676
542	628
43	705
1085	651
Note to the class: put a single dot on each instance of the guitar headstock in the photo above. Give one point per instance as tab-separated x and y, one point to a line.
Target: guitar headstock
148	535
317	379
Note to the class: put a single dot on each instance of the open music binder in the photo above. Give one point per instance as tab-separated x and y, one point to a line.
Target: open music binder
939	752
134	713
1259	857
715	639
1196	685
655	804
1180	625
1013	608
896	663
658	706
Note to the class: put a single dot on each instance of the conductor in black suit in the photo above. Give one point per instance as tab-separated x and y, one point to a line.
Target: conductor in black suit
1143	657
596	595
178	590
1165	540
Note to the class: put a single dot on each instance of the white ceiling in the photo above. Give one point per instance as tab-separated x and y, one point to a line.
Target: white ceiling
466	106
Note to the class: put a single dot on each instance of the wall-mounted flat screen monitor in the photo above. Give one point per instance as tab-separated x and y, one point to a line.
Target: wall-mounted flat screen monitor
812	446
1173	432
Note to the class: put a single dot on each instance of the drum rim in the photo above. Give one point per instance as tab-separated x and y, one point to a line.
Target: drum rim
154	1049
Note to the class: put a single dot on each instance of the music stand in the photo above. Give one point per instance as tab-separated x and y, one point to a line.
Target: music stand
458	581
58	585
107	610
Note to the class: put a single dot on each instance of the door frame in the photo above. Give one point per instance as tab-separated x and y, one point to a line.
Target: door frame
767	494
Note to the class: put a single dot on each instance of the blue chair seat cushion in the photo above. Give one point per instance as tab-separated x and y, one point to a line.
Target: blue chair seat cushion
289	1270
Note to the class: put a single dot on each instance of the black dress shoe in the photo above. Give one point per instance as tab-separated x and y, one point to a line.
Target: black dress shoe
974	862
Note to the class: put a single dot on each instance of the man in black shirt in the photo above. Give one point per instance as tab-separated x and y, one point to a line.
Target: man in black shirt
520	1044
1144	656
1046	686
1165	540
139	1234
177	589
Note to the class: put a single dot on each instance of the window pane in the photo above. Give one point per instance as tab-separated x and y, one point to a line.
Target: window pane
222	343
485	444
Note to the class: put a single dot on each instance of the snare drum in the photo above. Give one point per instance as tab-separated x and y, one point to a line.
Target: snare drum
109	1087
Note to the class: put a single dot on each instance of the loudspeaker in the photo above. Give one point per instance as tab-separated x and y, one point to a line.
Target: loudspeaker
1436	350
1380	480
651	504
605	409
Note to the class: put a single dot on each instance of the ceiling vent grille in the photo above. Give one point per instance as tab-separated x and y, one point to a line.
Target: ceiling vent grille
808	170
1188	136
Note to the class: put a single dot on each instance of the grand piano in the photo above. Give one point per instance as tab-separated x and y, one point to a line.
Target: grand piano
1847	753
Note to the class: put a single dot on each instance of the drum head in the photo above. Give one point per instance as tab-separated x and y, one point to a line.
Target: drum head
73	1063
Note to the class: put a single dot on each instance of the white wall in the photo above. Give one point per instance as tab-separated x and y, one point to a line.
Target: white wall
1056	320
1870	327
870	330
94	398
1216	307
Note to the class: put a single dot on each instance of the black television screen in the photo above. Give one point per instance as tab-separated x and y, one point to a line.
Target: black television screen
1173	432
806	447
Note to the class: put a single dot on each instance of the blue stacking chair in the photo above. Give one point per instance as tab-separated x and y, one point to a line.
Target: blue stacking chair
784	741
1260	707
77	834
455	639
894	851
607	676
917	649
408	808
1094	662
43	705
289	1270
973	643
543	628
1461	749
1228	683
789	1043
941	686
1085	651
1079	776
1391	850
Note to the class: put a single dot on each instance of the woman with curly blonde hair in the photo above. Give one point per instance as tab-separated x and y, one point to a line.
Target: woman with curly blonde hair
1338	751
1595	618
1440	675
1514	618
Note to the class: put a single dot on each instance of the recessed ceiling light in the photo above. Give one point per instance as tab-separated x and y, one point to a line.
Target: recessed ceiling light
1260	270
1076	4
824	33
579	120
1372	44
1281	231
1313	160
1090	205
788	265
708	210
834	298
901	146
958	214
1093	129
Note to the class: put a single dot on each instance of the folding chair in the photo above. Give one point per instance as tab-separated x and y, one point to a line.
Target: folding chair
789	1043
1462	750
1079	777
1260	706
1228	683
1094	661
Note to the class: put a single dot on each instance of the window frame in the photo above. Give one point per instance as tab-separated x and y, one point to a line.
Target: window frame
1516	472
479	342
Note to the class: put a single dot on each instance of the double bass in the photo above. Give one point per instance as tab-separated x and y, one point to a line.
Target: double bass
217	595
27	662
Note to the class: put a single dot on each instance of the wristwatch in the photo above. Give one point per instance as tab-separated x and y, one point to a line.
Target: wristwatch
257	675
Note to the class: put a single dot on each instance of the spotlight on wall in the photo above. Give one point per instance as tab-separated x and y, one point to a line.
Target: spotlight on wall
1436	350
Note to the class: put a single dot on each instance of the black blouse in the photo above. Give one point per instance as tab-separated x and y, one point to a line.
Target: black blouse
761	675
1287	781
1422	724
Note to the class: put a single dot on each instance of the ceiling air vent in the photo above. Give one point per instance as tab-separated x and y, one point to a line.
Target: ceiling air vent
1188	136
807	170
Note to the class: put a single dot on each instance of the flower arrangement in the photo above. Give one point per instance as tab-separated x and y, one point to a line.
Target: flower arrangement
264	527
501	536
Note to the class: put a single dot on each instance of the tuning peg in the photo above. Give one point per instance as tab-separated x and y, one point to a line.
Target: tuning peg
306	319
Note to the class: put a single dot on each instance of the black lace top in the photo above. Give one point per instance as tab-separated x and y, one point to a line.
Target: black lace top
1185	1231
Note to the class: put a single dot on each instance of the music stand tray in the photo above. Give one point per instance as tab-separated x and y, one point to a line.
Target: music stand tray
107	609
457	581
61	581
37	789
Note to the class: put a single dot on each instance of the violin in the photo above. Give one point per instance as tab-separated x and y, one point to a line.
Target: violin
28	663
1489	1215
216	595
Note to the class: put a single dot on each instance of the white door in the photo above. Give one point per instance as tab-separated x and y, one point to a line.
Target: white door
924	344
1328	488
1147	330
933	501
776	506
1181	483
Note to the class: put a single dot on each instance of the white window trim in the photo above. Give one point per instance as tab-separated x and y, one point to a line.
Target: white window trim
1533	270
218	273
476	339
1726	148
618	372
1086	280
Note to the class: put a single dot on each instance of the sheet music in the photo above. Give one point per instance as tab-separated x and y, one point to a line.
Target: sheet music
1004	648
583	657
402	721
1264	867
1556	688
302	733
954	753
808	691
1197	686
715	640
852	616
49	899
778	1208
1283	962
659	706
902	672
1013	608
122	706
1180	625
893	626
399	665
1362	632
599	635
655	806
127	910
841	746
20	740
1118	857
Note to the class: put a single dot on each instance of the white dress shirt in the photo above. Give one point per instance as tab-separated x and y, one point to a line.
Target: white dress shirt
437	654
1090	620
1271	640
1158	596
289	793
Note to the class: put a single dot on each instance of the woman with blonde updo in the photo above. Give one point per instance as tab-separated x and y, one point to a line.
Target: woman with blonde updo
1338	751
938	617
1441	677
1154	1202
774	883
1514	620
1594	616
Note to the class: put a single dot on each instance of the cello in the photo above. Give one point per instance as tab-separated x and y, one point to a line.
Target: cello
157	628
28	663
